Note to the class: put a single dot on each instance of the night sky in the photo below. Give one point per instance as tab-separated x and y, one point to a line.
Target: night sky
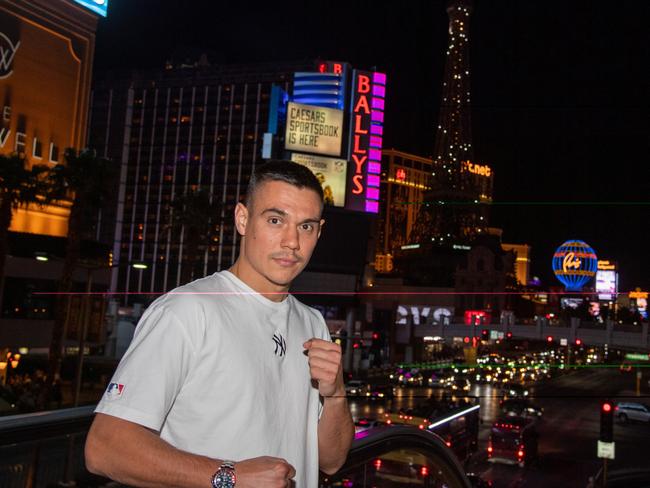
560	95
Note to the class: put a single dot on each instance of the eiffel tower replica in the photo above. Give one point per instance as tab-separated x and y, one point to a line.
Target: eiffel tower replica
456	208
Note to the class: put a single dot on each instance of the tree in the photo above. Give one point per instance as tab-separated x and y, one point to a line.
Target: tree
19	186
196	216
87	181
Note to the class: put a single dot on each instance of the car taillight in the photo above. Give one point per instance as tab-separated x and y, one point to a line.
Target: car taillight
424	471
377	463
520	453
489	449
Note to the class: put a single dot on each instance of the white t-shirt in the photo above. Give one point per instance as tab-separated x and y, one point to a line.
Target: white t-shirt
220	371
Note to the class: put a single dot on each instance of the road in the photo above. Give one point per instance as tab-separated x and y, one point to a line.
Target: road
568	431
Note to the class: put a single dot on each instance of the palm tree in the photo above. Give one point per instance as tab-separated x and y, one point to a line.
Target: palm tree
19	186
87	181
197	216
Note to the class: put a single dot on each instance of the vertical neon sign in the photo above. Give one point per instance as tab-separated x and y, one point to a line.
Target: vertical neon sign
366	134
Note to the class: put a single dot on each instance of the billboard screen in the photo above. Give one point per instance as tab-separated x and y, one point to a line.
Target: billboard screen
98	6
313	129
606	281
331	173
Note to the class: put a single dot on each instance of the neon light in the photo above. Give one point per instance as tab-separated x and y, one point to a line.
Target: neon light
376	130
372	206
374	168
400	174
377	116
373	180
374	154
98	6
379	91
373	193
375	141
379	78
454	416
377	103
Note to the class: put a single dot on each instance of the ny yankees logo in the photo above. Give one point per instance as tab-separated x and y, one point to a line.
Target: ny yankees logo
7	53
280	345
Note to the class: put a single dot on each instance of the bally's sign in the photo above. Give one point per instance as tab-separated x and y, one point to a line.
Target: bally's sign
312	129
7	53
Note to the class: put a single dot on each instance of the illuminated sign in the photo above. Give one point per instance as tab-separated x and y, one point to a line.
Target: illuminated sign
366	133
400	174
477	169
638	294
606	284
606	265
7	52
314	129
320	89
330	172
574	264
98	6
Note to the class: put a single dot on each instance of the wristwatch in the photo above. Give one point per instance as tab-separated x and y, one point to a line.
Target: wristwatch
225	476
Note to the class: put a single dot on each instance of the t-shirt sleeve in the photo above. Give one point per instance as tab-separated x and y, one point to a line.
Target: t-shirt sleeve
152	372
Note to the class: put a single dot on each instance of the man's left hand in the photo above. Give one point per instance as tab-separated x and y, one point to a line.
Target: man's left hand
325	366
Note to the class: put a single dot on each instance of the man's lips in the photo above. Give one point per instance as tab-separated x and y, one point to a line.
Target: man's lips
282	261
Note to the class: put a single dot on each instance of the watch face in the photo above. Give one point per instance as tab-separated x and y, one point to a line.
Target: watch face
225	478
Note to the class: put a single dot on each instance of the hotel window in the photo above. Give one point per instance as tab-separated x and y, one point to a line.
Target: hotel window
54	153
37	149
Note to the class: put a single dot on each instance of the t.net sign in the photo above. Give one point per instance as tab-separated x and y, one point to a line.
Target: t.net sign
98	6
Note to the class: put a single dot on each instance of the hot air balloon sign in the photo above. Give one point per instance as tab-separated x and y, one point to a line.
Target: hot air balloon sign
574	264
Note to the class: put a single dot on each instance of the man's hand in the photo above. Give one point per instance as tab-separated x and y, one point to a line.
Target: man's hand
325	366
264	471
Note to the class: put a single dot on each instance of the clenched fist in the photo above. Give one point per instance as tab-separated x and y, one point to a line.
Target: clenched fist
264	471
325	366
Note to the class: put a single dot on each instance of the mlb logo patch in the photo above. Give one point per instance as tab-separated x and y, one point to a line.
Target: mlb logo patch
114	390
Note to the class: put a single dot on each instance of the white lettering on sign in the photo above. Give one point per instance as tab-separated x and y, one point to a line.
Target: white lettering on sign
7	52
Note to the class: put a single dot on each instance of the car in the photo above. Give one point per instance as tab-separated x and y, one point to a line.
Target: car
356	388
513	440
365	423
460	385
515	391
383	392
438	379
516	407
410	378
625	411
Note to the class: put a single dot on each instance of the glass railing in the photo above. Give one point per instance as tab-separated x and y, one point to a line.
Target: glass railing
46	449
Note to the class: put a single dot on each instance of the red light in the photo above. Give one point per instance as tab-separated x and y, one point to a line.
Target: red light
489	449
549	339
322	67
607	407
421	427
466	340
389	422
377	463
578	342
400	174
375	335
424	471
520	453
448	444
355	345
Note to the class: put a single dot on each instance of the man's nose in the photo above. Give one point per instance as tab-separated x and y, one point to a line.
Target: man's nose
291	238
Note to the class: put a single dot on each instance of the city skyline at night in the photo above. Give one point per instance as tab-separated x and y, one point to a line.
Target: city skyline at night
558	97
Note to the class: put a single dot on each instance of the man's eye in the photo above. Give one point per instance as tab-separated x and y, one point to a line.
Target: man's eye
308	227
274	220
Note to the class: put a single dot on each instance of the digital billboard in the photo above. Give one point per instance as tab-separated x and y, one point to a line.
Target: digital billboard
331	173
366	134
98	6
606	284
314	129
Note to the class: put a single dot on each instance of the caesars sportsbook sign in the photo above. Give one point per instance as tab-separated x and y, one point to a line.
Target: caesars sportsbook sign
315	130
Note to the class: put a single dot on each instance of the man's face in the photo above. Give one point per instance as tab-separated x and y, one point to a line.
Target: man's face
280	229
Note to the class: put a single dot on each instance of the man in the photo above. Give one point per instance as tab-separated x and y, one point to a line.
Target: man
229	380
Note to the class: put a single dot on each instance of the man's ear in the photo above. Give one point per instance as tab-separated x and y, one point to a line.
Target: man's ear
241	218
320	227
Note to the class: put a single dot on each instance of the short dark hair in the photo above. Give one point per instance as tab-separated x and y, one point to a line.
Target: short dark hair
281	170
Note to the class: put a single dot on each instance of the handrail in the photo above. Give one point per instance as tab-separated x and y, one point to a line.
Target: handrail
43	425
366	446
374	442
